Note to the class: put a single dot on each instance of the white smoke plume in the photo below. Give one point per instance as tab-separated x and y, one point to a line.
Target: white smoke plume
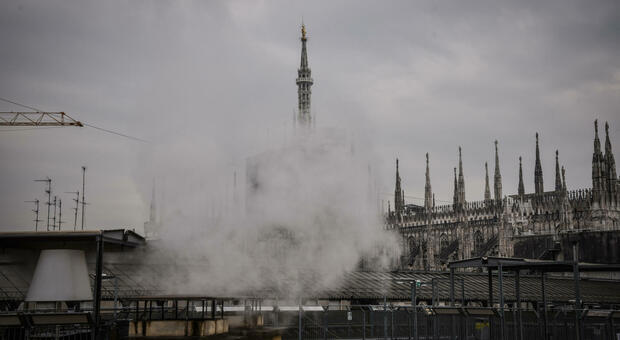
287	221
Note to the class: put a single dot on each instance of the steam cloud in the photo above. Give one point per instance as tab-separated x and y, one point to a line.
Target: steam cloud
292	221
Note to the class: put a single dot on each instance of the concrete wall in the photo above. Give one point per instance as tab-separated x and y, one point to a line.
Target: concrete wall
594	246
174	328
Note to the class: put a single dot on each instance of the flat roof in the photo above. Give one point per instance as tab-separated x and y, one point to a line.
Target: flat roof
143	281
113	239
514	263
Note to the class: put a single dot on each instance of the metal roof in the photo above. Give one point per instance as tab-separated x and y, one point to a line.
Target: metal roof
113	239
135	280
391	285
396	285
513	263
132	283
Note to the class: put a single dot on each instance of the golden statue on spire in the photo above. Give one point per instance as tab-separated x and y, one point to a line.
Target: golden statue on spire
303	31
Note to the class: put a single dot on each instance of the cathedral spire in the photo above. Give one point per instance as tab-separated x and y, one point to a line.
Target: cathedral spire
612	177
304	84
607	142
558	177
398	193
487	192
428	192
497	180
598	167
455	198
521	186
538	174
304	54
563	178
597	142
461	180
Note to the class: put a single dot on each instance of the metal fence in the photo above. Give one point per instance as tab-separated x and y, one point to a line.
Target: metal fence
344	322
117	329
68	332
113	324
378	322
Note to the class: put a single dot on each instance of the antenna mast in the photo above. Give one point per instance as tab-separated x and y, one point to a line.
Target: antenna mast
77	206
59	214
54	220
48	191
36	213
83	199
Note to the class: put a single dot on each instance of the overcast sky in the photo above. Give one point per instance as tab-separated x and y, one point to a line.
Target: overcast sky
212	82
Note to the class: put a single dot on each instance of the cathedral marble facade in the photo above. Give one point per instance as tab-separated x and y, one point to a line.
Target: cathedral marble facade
541	225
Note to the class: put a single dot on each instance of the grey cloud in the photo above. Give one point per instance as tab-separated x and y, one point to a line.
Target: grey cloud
405	77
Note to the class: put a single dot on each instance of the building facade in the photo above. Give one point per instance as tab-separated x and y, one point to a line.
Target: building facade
542	224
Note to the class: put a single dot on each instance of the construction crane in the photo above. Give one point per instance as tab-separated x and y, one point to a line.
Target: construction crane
40	118
37	119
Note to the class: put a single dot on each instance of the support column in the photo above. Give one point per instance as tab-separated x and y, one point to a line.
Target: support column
385	327
204	309
490	302
98	277
363	323
414	305
462	317
578	330
299	324
518	297
500	271
325	324
452	302
435	302
544	302
490	273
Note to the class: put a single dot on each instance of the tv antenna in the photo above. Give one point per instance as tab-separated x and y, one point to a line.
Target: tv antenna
77	206
48	191
59	214
36	213
83	189
54	220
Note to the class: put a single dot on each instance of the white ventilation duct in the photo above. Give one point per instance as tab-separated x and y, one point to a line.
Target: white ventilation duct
60	275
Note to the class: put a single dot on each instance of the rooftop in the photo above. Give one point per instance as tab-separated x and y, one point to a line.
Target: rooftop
114	239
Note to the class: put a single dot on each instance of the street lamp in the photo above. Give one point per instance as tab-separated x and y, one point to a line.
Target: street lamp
415	284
